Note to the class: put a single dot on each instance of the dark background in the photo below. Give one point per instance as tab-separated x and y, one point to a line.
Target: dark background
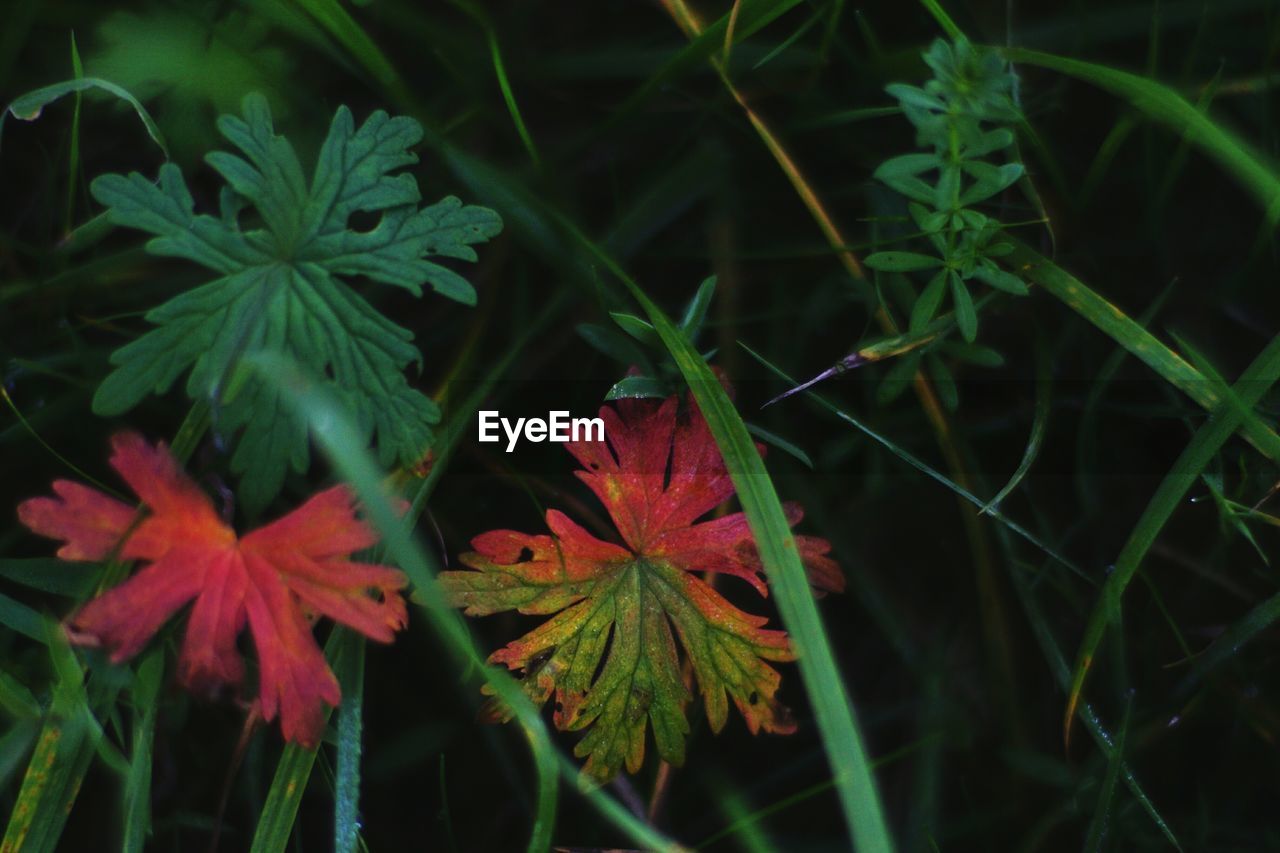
679	186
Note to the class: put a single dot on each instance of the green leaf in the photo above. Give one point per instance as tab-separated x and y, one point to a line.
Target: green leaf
901	261
626	686
982	356
787	447
636	328
16	700
988	180
902	174
907	166
696	311
966	316
897	379
946	194
989	142
49	574
18	617
914	96
926	305
615	345
637	387
992	276
943	381
284	286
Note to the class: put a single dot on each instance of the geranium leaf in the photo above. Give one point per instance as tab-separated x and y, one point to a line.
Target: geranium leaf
608	654
271	581
285	286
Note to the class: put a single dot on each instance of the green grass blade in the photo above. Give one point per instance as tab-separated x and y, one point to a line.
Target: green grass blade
71	735
509	98
29	106
1039	425
1256	380
137	782
73	146
1227	644
944	20
49	787
1131	335
67	744
925	469
346	450
334	19
1096	840
21	619
279	812
500	72
16	700
49	574
1255	173
275	825
837	721
1057	662
293	771
15	745
346	783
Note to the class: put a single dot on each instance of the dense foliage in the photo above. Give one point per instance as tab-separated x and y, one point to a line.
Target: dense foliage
1023	256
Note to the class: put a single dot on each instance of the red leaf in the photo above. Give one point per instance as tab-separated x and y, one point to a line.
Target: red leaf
608	654
268	579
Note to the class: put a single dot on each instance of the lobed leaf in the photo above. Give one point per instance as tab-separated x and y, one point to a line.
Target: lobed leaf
286	285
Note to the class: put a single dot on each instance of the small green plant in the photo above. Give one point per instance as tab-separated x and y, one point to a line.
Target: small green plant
282	284
960	116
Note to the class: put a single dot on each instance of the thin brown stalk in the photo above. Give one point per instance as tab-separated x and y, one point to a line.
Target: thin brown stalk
990	595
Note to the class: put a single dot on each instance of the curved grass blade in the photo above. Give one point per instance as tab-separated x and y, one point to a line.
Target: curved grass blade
1231	641
73	144
837	722
346	451
504	82
1052	653
1250	167
1039	424
1117	325
944	20
29	106
927	470
293	771
1223	422
1096	840
334	19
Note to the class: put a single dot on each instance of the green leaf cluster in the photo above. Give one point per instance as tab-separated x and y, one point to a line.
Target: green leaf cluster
282	283
636	345
961	118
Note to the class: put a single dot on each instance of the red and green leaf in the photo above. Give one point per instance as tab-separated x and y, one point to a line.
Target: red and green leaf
609	654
